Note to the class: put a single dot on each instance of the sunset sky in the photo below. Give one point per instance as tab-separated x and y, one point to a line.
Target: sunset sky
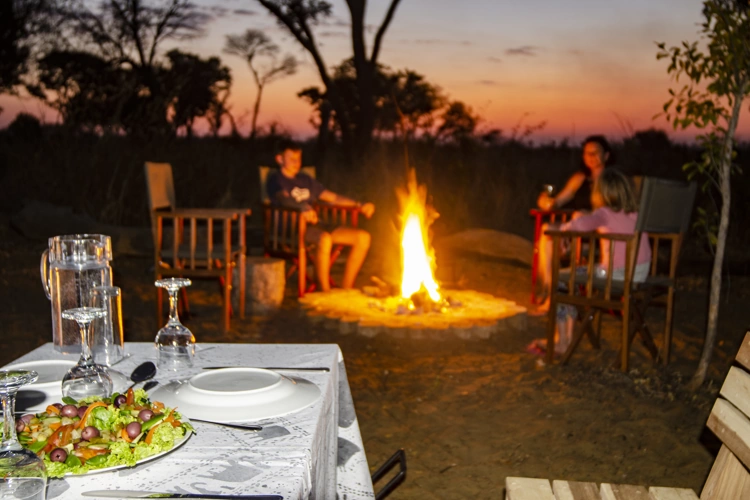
583	66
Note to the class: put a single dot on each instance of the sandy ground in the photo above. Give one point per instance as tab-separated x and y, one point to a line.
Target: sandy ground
468	413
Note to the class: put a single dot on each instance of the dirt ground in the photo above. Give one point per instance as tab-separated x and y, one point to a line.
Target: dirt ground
468	413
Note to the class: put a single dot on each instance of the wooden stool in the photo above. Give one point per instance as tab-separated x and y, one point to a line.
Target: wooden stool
265	283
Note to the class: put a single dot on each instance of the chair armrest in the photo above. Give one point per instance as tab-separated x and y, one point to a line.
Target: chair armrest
590	235
203	213
538	212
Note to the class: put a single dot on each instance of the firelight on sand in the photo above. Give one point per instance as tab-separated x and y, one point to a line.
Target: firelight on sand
417	257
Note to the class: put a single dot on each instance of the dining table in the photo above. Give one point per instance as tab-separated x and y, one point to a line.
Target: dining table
315	452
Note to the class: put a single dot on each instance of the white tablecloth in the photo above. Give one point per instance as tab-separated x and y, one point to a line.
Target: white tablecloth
316	452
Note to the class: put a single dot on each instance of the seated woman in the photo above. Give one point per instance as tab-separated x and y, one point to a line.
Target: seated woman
615	211
578	188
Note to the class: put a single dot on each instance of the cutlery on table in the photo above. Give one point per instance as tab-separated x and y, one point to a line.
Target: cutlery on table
280	368
141	373
247	427
156	494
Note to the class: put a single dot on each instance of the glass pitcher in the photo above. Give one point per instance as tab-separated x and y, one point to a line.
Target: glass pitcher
71	266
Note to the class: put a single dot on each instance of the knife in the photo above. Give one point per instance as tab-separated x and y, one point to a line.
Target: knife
156	494
247	427
283	368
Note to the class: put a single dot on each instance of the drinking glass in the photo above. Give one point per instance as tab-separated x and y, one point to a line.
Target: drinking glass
176	344
108	343
86	378
22	473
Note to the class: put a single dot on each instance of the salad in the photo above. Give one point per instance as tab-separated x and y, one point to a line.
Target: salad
94	433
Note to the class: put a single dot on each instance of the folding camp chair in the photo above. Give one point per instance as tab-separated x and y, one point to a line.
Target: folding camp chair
663	217
192	252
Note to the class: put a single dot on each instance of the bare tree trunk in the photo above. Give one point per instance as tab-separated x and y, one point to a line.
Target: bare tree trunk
256	110
725	172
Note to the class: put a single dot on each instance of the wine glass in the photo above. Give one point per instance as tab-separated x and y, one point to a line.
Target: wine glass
86	378
22	473
176	344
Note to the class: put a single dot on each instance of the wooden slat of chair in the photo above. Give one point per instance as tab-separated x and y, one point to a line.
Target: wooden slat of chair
527	488
661	493
728	478
575	490
623	492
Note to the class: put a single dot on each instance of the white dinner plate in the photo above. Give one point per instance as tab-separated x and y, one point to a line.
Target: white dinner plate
35	397
237	395
47	388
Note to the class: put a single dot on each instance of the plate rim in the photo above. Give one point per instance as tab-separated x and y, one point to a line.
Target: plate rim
22	366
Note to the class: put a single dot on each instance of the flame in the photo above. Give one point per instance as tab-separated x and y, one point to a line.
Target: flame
417	257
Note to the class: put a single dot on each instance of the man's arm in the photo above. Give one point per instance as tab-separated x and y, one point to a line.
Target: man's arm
367	209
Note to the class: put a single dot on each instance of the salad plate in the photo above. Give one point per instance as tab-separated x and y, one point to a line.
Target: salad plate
94	435
177	443
238	395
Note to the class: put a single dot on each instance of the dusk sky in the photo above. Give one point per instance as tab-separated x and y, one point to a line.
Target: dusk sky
583	66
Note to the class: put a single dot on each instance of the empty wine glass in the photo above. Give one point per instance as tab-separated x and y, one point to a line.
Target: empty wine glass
176	344
86	378
22	473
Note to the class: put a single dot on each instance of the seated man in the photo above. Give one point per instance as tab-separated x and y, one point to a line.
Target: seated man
290	188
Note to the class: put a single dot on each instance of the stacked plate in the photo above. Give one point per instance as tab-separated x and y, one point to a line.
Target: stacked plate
237	395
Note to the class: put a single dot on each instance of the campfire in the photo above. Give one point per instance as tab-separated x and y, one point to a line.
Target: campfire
416	308
419	289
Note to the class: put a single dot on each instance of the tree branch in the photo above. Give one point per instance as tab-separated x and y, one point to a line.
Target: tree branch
381	31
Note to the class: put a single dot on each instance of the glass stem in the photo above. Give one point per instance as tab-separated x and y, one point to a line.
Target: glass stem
86	358
9	442
174	318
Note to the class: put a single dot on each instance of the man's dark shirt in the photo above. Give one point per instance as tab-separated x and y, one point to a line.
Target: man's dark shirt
302	190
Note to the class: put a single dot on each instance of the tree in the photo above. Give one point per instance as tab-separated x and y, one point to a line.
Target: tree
196	85
127	34
299	16
252	46
458	123
718	82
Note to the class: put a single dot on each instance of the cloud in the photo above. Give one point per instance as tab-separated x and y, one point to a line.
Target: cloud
244	12
489	83
524	50
435	41
332	34
494	59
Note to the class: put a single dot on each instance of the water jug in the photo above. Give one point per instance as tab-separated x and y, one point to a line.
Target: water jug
71	266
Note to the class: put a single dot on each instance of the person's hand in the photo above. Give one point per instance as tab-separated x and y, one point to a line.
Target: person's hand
545	201
310	216
367	209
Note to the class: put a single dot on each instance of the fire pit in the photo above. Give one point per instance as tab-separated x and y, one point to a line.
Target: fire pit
420	309
471	315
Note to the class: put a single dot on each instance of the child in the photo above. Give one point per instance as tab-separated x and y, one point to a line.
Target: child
615	212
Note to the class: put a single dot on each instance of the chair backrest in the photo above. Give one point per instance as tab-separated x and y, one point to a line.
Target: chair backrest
263	172
665	206
160	185
730	421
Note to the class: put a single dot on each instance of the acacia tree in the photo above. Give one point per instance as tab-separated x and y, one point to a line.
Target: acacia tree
299	16
718	82
252	46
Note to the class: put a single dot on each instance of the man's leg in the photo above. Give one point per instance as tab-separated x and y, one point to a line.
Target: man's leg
359	241
322	258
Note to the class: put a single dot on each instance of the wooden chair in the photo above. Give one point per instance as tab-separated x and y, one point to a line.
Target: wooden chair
191	251
543	217
729	477
558	216
663	217
284	231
